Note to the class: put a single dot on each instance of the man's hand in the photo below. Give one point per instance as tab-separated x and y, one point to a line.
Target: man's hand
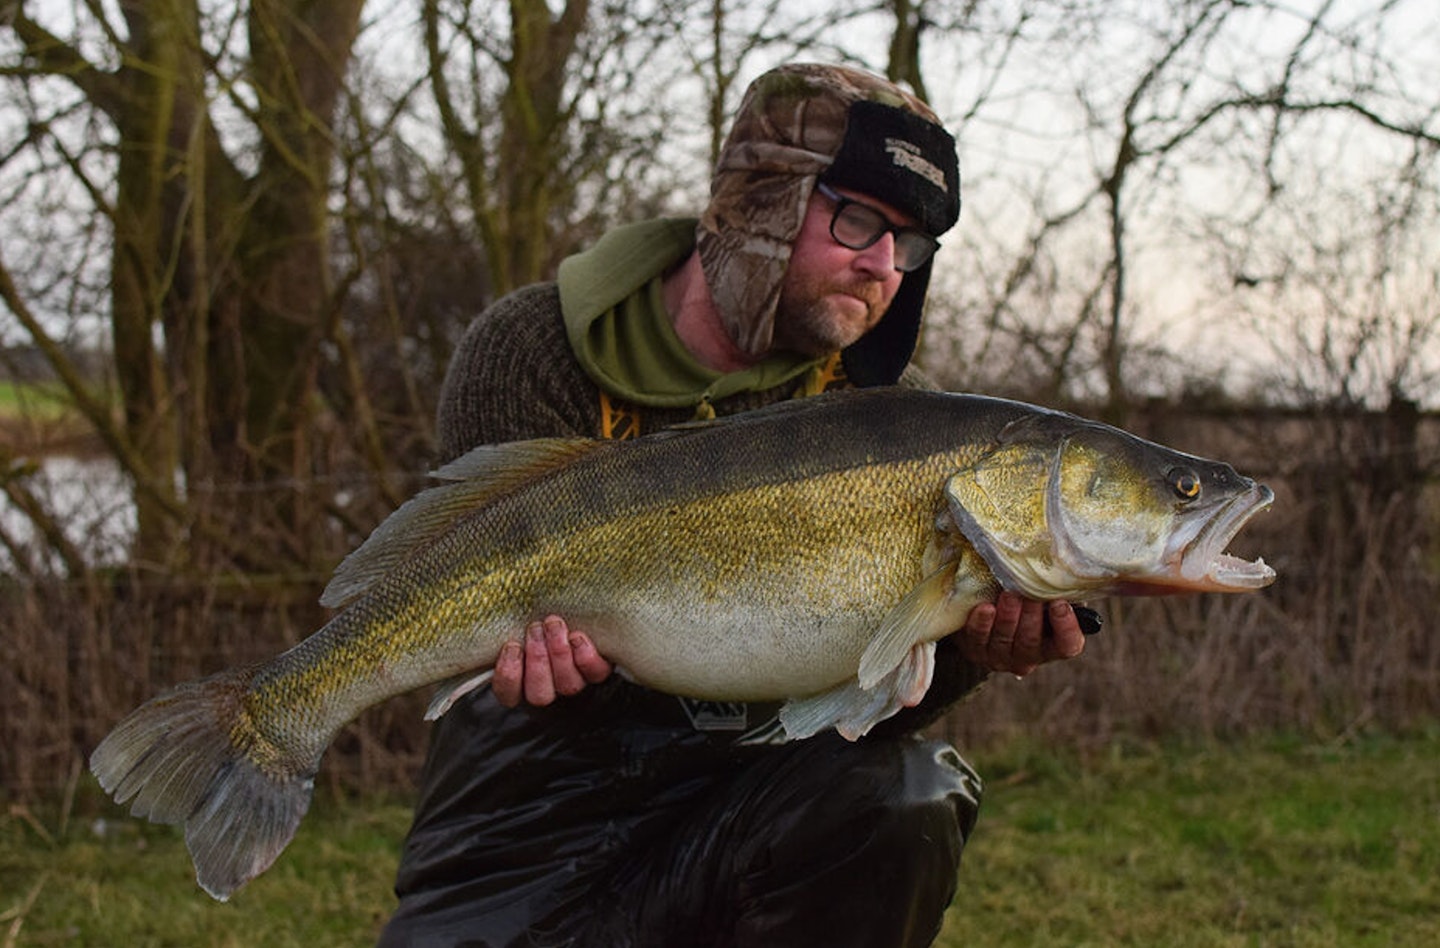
553	661
1009	635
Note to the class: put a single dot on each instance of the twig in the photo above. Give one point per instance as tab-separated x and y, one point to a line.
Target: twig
17	915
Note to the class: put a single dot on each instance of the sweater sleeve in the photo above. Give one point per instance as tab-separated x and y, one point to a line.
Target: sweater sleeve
513	377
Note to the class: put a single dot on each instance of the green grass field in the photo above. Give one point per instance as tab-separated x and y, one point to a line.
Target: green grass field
1279	843
44	401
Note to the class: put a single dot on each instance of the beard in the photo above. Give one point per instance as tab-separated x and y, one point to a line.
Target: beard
808	319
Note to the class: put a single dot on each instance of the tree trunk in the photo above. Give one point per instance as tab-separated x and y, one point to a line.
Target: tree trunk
515	183
157	117
235	270
904	60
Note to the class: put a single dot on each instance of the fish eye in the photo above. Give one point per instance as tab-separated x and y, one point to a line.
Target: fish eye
1185	483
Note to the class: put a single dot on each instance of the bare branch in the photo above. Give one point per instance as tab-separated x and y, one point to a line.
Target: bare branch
49	55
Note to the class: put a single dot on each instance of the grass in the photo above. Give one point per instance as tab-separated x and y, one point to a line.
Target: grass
46	402
117	881
36	418
1277	843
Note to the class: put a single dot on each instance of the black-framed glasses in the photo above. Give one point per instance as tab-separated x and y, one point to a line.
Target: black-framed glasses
857	226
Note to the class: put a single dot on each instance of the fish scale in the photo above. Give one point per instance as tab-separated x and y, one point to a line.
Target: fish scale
811	553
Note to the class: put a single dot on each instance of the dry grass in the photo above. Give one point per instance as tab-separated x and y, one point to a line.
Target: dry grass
1343	643
83	654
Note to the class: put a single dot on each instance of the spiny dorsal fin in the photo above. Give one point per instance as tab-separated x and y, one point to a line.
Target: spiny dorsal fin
515	462
477	478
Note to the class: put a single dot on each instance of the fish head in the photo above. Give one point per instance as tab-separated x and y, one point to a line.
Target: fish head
1064	508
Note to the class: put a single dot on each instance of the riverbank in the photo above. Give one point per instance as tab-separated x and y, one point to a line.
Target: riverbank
36	438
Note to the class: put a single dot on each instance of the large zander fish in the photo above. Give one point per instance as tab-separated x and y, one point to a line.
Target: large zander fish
812	552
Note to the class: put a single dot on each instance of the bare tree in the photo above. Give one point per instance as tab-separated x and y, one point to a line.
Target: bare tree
553	118
1150	127
281	231
220	292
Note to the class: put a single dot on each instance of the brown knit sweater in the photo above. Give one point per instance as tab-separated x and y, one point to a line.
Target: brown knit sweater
513	376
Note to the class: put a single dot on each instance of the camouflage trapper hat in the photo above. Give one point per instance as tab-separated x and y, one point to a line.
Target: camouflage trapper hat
806	122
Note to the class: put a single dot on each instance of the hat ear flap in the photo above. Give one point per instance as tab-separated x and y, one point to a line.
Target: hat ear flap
881	355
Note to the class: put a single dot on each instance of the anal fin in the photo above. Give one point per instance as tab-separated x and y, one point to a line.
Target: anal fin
454	689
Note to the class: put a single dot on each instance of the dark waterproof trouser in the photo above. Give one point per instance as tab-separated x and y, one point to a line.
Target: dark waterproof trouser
820	842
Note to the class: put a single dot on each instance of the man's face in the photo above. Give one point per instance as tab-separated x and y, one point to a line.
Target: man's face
832	295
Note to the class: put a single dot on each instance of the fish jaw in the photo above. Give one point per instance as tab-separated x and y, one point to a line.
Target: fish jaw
1069	509
1198	562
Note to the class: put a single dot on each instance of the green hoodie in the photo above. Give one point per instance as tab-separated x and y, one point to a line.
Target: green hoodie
612	299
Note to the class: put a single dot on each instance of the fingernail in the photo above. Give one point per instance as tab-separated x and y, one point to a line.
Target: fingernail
578	640
536	632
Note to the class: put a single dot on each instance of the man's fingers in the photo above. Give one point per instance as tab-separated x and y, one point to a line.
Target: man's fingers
1008	607
1027	651
975	635
566	678
552	661
1067	634
509	673
1018	635
539	681
588	660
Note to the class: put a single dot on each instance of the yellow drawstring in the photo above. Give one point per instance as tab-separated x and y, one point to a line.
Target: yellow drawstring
822	377
618	420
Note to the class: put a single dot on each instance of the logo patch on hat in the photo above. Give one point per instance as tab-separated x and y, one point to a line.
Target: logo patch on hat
908	155
902	159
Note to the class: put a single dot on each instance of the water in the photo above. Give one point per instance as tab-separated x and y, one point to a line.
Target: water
88	497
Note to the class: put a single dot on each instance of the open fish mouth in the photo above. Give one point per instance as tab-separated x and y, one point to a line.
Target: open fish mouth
1204	564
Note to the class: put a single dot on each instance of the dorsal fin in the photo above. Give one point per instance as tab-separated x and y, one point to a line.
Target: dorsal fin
476	479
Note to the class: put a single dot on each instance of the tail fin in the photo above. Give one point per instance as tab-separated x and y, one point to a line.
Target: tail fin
182	758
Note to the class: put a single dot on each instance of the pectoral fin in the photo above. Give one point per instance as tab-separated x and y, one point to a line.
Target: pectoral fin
853	710
931	611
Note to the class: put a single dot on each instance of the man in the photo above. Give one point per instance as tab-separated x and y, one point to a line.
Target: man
567	806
